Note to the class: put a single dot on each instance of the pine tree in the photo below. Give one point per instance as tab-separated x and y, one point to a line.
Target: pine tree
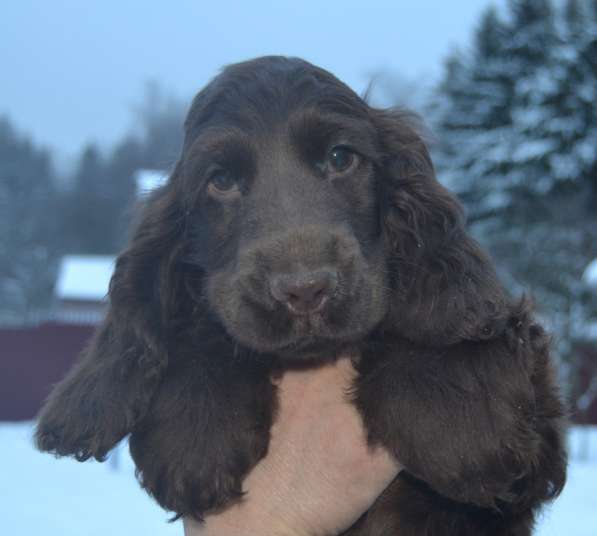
520	147
125	160
160	117
474	118
89	216
573	20
521	157
532	32
526	104
27	226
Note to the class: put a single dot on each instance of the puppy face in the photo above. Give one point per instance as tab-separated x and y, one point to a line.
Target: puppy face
279	172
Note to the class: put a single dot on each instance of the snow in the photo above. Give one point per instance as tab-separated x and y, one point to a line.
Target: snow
531	149
574	512
61	497
87	277
588	331
84	277
148	180
590	274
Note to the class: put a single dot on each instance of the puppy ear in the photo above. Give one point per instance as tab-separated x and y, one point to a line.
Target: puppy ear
110	388
444	287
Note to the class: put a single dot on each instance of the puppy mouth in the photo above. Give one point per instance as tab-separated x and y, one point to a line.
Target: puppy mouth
314	334
272	326
308	347
303	343
302	312
307	316
300	332
310	324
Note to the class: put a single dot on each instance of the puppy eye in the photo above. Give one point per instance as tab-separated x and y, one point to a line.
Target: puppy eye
341	159
223	184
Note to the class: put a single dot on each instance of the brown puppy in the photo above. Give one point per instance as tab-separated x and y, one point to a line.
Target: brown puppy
300	223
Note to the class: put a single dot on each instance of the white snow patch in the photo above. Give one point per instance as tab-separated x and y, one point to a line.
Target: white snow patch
61	497
589	276
532	149
84	277
148	180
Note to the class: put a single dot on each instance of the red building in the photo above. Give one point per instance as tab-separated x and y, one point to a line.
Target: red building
34	358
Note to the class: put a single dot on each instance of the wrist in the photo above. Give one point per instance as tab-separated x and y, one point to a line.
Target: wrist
243	520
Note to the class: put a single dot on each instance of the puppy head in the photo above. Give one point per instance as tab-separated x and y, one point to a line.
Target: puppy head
305	219
283	216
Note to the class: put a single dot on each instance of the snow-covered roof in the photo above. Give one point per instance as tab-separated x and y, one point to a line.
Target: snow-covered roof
84	277
149	179
590	274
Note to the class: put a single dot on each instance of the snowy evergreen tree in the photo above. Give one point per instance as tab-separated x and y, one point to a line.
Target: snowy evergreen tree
88	212
98	208
27	227
125	160
515	119
555	111
160	119
39	222
473	111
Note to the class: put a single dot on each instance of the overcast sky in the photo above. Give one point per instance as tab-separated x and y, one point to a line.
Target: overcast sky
70	70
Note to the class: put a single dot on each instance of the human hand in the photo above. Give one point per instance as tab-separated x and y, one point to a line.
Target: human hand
319	475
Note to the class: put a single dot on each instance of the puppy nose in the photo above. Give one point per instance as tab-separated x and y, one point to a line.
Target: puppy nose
304	292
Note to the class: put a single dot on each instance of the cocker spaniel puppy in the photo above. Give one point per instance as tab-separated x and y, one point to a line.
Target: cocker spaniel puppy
300	224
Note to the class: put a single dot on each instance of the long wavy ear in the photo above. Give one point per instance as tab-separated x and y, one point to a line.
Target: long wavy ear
444	287
110	388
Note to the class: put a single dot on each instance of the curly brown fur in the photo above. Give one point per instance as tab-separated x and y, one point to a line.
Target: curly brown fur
300	223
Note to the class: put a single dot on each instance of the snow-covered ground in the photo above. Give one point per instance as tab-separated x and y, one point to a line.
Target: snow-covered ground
41	495
574	513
